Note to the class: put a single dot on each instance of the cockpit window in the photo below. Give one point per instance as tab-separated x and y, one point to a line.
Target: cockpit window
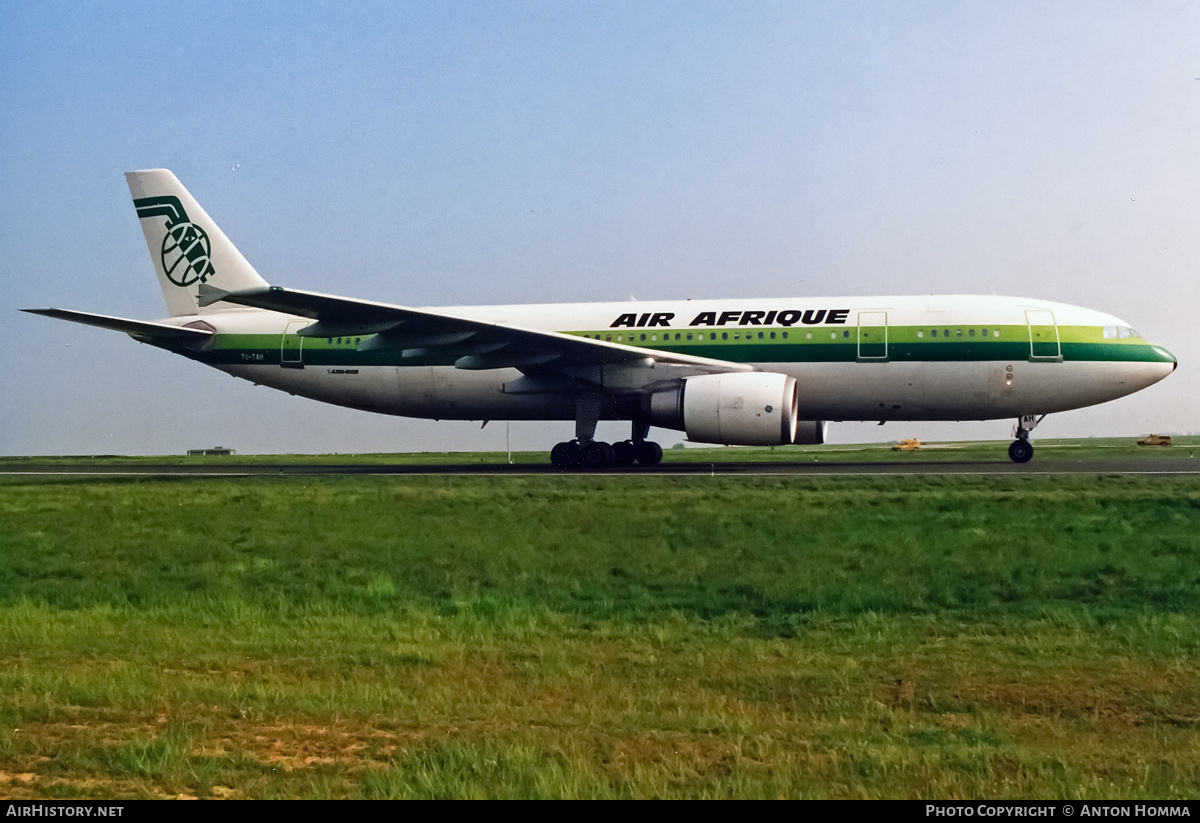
1119	332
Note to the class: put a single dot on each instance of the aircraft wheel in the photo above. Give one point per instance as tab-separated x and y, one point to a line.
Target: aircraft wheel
597	455
566	455
624	453
1021	451
648	453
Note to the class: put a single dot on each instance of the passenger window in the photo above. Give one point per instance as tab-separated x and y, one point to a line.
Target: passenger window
785	335
920	334
808	336
724	335
933	332
846	334
958	332
772	335
643	337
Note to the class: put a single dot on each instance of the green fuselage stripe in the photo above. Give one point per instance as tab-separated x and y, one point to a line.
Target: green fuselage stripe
820	344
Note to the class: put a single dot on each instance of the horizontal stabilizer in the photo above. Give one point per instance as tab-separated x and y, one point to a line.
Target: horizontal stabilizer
136	328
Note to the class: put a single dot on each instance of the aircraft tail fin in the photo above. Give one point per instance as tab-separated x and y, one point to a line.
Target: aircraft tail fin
187	247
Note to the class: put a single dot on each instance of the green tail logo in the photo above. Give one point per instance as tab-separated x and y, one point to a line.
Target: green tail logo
185	247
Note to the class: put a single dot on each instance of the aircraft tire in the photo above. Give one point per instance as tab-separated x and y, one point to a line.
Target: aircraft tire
1020	451
624	453
648	453
597	455
566	455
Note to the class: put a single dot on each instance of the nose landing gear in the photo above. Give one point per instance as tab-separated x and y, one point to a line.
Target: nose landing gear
1021	450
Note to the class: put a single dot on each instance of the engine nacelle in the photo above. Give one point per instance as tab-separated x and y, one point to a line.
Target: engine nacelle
810	432
738	409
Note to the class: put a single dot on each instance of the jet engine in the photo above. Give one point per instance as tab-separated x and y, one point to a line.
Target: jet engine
810	432
736	409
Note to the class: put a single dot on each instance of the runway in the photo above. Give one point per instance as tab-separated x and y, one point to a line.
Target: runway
1047	466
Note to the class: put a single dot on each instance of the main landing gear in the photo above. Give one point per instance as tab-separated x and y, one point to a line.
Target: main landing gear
597	454
584	452
1021	450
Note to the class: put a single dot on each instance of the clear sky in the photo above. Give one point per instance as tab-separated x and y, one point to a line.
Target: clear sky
508	152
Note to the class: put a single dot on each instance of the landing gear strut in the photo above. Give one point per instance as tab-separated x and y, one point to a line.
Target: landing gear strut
1021	450
588	453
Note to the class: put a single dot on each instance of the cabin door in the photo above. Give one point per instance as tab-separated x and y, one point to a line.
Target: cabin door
1043	335
872	335
291	347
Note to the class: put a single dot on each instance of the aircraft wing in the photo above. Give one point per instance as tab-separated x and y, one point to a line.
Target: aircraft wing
477	344
138	329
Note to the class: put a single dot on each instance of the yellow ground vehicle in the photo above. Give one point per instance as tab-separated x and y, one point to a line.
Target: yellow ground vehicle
1156	440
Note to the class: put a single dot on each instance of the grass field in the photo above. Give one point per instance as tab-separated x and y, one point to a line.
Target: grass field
603	636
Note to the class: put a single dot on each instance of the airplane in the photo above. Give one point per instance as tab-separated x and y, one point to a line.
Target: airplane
735	372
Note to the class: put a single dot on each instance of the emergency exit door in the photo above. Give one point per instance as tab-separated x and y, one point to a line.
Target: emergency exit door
872	335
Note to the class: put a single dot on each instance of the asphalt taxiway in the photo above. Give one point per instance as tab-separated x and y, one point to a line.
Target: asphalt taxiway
1139	465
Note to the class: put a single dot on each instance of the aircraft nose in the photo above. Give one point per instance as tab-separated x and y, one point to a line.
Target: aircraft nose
1172	358
1166	357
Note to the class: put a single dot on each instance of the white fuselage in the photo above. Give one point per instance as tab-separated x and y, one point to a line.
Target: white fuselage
949	383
